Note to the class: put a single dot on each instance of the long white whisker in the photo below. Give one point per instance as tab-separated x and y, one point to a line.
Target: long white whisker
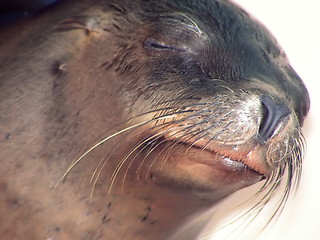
74	163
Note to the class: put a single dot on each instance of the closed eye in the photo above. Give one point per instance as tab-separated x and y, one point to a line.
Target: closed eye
154	45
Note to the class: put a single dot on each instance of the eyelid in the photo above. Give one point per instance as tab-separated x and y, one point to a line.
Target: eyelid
155	45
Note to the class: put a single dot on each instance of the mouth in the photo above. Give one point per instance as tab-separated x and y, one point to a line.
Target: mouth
232	162
213	167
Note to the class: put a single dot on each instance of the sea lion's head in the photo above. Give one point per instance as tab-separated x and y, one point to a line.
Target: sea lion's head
214	104
214	99
192	99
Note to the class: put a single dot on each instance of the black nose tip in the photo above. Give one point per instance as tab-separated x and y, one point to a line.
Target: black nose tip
273	113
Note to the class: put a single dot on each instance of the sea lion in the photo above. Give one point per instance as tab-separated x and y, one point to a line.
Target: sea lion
125	119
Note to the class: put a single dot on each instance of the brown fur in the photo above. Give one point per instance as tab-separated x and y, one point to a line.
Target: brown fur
69	81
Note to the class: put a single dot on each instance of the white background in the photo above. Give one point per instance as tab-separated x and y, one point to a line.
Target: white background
296	25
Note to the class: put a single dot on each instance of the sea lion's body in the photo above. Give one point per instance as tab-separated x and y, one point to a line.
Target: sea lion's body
189	109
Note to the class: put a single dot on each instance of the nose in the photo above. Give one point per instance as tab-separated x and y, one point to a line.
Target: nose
273	114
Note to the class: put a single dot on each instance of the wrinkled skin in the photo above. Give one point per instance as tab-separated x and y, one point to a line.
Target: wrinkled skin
125	120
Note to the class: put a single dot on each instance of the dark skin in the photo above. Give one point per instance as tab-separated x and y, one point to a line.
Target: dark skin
122	120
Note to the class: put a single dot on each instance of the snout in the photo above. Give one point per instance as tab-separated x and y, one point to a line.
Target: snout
254	128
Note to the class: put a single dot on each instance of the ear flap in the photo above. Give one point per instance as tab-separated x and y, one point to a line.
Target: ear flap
87	23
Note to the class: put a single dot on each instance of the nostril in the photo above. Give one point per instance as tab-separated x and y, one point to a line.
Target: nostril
273	113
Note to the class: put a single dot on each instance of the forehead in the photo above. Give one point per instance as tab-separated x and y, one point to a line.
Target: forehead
207	25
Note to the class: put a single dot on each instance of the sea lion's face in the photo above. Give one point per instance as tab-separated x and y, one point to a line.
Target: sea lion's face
214	99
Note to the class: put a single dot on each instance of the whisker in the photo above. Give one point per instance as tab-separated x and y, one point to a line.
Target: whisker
101	166
292	167
110	153
138	146
161	117
122	162
155	159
